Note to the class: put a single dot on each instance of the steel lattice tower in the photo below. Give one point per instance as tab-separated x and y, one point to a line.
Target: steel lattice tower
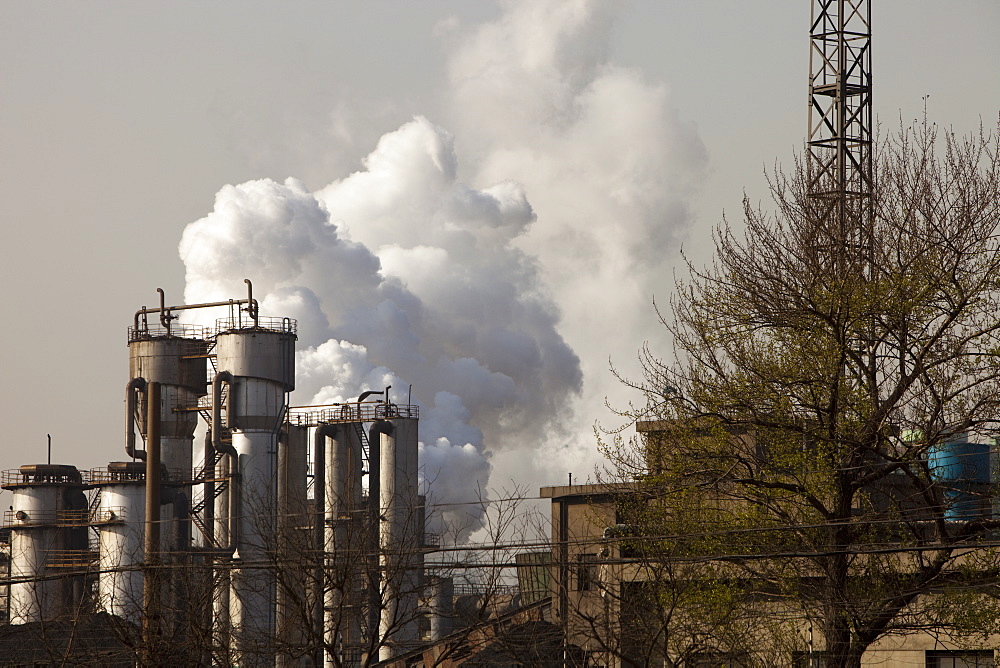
839	156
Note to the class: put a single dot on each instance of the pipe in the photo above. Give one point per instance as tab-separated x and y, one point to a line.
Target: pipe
367	393
375	603
217	381
252	308
388	404
282	603
130	390
208	491
165	316
320	435
152	539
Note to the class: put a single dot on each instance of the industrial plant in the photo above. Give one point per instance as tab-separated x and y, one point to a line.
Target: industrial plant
813	479
289	535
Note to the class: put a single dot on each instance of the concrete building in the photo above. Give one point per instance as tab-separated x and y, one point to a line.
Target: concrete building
620	602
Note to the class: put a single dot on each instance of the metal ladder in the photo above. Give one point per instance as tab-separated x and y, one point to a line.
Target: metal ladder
95	503
208	470
359	429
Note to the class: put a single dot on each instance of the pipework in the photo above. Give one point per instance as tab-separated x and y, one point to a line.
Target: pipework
166	312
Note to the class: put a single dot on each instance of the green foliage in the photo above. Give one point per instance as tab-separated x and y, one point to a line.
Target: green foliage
781	455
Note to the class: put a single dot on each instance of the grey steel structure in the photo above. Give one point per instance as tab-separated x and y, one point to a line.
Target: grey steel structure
839	147
48	523
294	575
174	357
374	544
120	517
257	362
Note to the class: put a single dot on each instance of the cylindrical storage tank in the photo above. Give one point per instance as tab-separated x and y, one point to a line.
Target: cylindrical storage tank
294	537
180	366
258	353
252	601
49	518
961	466
442	606
400	542
120	519
261	361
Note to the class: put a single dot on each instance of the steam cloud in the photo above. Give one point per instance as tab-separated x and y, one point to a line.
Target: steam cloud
403	273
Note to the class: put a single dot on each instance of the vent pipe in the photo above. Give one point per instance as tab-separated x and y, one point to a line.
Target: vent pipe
320	435
151	582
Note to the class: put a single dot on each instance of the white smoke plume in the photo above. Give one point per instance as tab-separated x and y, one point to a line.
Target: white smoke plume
609	167
482	283
400	274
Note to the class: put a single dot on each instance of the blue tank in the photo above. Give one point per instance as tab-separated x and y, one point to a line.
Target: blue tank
962	466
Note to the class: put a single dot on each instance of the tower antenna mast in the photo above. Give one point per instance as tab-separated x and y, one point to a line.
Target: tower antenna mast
839	148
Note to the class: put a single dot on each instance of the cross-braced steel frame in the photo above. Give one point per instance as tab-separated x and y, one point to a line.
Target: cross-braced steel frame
839	148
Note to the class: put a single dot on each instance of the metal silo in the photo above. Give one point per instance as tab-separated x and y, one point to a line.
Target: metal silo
176	358
400	539
48	541
120	516
294	534
257	363
344	543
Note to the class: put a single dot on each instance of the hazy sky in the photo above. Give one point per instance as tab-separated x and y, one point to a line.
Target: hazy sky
600	136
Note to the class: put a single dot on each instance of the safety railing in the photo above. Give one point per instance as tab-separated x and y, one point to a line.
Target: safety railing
484	588
350	412
197	333
105	476
177	330
53	518
70	559
243	321
110	515
102	476
42	475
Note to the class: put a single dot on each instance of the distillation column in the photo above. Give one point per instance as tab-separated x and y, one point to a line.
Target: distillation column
179	365
344	540
260	361
120	519
400	537
48	534
293	544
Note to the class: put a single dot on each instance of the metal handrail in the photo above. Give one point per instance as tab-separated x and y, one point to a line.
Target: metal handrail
11	477
207	333
70	558
104	475
270	324
178	331
22	518
480	588
351	412
110	515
